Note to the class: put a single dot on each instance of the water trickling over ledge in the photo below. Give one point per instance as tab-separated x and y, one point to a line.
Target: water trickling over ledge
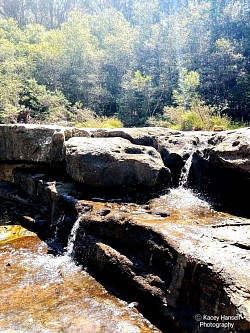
185	171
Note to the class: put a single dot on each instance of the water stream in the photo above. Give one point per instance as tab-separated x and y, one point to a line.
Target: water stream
185	171
44	293
72	237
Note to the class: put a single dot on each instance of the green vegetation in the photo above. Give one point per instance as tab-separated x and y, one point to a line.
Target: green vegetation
101	122
178	63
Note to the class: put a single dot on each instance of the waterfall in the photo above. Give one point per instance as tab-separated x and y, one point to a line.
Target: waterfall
185	171
72	237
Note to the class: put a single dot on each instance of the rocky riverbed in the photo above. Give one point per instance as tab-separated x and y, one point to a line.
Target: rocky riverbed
119	202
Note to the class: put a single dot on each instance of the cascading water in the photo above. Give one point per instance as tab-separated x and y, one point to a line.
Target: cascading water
72	237
185	171
182	203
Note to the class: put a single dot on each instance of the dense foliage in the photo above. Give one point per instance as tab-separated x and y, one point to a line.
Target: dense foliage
145	62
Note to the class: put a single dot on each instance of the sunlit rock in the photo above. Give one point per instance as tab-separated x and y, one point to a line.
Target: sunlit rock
232	150
31	143
35	143
114	162
174	146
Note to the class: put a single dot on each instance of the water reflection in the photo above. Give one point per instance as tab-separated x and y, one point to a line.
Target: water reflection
43	293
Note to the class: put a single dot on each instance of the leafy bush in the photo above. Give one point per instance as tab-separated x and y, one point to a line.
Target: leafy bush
111	122
43	103
191	121
9	114
223	122
238	124
198	117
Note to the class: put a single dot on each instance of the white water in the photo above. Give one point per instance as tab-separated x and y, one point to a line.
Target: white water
184	205
185	171
182	199
72	237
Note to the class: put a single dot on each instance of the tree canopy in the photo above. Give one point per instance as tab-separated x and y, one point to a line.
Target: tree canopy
132	59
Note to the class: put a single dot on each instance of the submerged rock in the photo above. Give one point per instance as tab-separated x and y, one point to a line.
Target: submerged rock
114	162
45	293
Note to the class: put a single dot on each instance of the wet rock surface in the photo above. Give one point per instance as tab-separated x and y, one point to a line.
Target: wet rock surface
179	266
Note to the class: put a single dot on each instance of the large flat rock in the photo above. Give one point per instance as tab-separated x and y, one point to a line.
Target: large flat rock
114	162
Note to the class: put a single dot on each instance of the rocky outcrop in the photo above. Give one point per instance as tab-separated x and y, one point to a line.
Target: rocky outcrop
179	270
35	143
31	143
219	167
231	150
114	162
222	170
175	147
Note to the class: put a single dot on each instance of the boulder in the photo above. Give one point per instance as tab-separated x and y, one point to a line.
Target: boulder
232	150
174	146
114	162
33	143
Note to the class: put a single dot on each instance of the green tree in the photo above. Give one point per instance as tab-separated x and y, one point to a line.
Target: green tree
186	94
135	102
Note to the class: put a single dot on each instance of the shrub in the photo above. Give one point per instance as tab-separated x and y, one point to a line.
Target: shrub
191	121
9	114
112	122
101	122
198	117
219	121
